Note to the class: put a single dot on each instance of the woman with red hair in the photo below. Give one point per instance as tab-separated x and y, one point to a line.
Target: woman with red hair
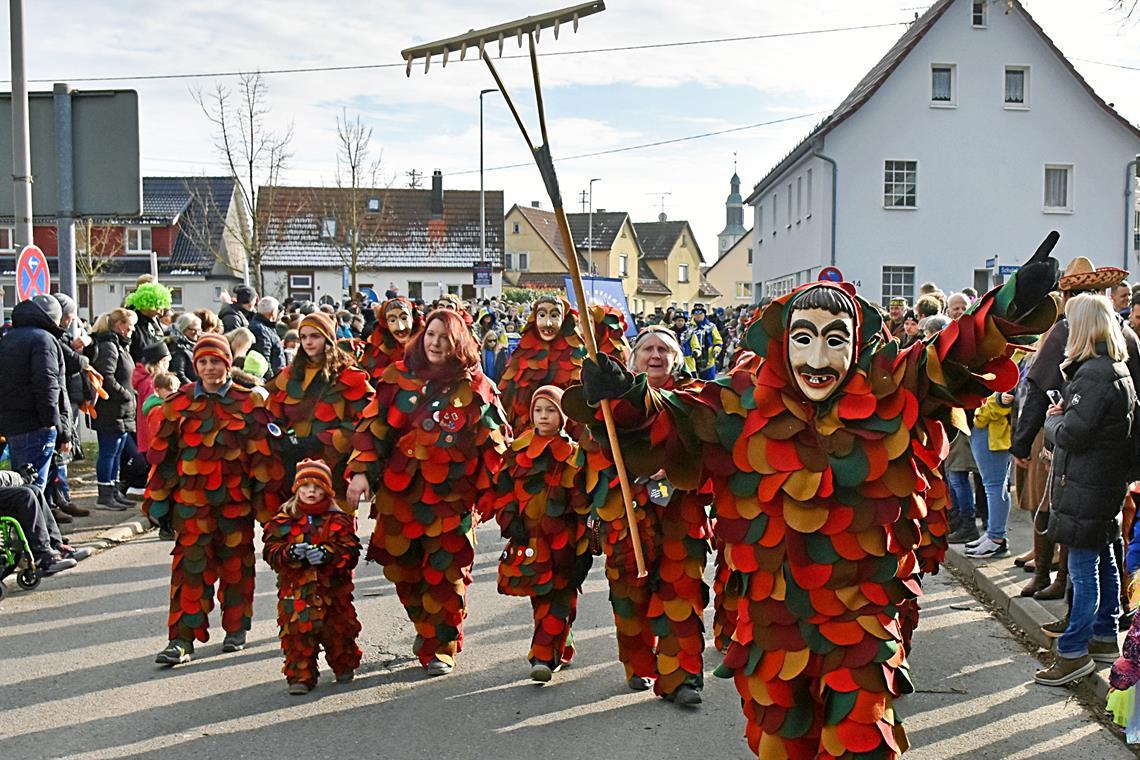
429	446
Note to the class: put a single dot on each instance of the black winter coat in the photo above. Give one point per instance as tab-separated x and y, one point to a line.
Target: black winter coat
1091	453
116	413
147	331
233	317
182	358
267	342
33	383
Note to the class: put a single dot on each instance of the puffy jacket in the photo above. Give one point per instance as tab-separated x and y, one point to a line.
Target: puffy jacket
181	358
234	316
267	342
116	413
995	415
33	393
1091	453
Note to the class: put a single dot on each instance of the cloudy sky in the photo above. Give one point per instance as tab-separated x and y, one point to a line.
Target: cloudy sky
595	101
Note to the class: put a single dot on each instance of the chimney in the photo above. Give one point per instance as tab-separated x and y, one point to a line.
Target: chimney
536	204
599	211
661	217
437	194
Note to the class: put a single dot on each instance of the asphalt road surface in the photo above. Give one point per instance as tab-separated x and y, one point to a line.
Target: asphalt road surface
77	680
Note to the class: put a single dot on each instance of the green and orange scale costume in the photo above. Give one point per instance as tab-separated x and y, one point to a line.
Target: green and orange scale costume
542	508
828	512
323	415
213	473
314	602
430	451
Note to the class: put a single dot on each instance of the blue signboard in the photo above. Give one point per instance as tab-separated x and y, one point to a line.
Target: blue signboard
606	291
1005	270
991	263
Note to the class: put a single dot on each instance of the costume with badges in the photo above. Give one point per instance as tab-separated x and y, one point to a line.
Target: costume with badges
829	500
430	450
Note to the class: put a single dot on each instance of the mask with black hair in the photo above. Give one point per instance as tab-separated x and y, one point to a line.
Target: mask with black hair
821	338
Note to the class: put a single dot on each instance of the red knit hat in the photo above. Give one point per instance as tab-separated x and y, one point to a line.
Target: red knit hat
551	393
212	344
316	472
322	323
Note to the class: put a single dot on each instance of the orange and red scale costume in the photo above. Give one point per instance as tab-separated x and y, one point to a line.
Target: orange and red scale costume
536	362
314	602
212	474
828	512
542	508
322	414
381	347
430	451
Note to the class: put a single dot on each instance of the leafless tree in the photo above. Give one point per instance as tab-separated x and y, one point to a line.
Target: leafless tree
1126	7
97	248
254	155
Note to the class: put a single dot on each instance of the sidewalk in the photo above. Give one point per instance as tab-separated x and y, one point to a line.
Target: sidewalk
999	580
103	528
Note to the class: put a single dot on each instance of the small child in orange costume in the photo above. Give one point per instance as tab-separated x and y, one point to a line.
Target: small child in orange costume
313	548
542	511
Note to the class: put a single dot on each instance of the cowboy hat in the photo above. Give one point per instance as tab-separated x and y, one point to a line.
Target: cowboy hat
1080	275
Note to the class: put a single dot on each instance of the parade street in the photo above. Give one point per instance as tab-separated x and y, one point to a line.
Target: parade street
80	682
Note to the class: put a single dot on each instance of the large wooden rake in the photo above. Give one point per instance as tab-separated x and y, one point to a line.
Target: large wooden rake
531	28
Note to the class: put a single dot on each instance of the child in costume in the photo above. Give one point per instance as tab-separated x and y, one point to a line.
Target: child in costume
542	506
313	548
212	473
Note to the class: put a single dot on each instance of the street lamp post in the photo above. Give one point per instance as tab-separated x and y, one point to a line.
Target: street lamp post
590	234
482	203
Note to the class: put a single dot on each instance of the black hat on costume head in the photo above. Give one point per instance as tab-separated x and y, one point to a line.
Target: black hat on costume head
154	353
699	309
680	315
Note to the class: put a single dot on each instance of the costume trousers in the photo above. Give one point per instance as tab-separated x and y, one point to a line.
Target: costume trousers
553	641
336	633
211	550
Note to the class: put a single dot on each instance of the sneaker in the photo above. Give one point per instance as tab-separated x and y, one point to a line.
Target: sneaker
55	564
67	551
438	667
1065	670
541	672
299	689
176	653
640	683
165	534
345	677
1103	651
234	642
964	534
988	548
1056	628
687	696
975	542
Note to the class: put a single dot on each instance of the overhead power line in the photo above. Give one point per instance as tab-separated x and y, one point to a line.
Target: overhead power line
1106	63
402	64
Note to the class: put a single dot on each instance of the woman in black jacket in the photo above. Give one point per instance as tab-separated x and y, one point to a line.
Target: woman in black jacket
183	334
114	415
1091	432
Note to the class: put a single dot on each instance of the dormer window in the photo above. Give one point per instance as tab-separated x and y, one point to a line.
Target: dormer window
978	14
328	229
373	204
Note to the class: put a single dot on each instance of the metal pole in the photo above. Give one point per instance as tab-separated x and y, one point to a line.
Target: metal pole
65	216
590	235
482	202
21	146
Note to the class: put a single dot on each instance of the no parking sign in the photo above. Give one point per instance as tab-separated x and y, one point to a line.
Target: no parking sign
32	276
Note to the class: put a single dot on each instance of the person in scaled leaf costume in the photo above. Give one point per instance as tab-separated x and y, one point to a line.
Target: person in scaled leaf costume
319	400
542	509
828	499
659	618
398	321
212	473
429	445
549	352
312	546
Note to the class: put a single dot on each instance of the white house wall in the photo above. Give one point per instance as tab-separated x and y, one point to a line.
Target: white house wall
980	182
433	282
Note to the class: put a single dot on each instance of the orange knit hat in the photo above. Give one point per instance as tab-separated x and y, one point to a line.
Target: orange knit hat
551	393
322	323
211	344
316	472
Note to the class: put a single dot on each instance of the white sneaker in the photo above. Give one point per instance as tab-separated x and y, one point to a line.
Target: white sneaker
989	548
976	541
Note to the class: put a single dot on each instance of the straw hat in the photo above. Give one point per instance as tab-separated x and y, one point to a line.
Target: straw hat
1081	275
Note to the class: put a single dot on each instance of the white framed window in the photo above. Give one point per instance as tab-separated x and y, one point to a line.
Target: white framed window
176	297
683	273
524	261
898	282
779	286
807	215
789	204
516	228
328	228
799	198
300	282
943	85
138	240
978	14
623	265
1016	88
900	184
373	204
7	238
1058	189
744	291
509	262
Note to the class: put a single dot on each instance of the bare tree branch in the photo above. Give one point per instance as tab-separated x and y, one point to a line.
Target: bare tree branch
96	249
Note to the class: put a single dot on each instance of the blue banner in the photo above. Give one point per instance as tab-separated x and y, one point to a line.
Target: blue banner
605	291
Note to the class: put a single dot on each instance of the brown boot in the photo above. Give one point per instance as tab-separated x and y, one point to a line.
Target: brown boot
1042	555
1056	590
73	509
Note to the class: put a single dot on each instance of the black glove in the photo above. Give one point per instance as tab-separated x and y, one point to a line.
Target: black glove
604	379
1036	279
517	532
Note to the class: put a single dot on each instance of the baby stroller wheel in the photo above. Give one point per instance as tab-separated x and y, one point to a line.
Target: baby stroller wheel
28	579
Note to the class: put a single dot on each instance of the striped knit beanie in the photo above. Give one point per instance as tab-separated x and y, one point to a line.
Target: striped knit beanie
551	393
212	344
322	323
316	472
